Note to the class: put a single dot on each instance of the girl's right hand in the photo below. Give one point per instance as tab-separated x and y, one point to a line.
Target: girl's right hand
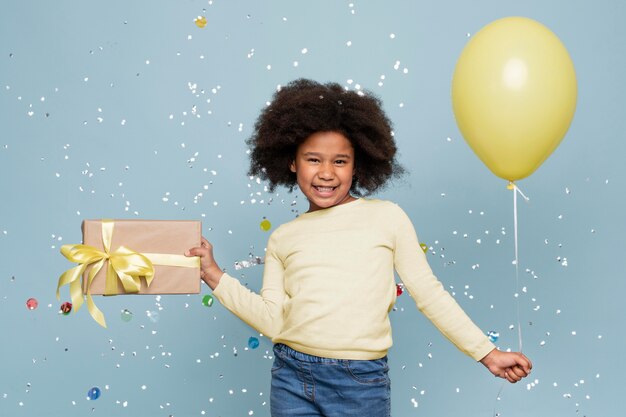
210	272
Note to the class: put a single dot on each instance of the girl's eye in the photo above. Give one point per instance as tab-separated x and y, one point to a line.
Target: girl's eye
313	160
340	162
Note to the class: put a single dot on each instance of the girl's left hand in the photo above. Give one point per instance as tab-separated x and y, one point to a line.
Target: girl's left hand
512	366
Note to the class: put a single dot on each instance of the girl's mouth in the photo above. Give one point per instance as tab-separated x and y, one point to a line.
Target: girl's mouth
324	190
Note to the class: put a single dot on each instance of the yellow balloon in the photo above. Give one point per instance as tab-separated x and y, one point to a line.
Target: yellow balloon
514	95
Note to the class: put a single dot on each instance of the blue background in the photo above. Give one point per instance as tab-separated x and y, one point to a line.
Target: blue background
129	110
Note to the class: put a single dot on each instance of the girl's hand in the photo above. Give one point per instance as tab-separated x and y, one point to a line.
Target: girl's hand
512	366
210	272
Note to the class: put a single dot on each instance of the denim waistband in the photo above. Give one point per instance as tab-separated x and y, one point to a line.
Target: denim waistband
283	350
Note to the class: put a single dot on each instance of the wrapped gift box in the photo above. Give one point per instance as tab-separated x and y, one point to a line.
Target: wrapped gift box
149	236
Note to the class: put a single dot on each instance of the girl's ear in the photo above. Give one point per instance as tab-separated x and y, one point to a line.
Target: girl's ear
292	166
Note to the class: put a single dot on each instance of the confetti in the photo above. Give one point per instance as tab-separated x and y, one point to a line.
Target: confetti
126	315
93	393
153	316
171	179
253	342
32	303
207	301
493	336
247	263
200	21
66	308
265	225
399	289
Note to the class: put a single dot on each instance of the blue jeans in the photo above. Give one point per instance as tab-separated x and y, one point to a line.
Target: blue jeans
306	386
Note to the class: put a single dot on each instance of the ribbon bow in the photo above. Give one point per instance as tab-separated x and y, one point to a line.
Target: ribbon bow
124	264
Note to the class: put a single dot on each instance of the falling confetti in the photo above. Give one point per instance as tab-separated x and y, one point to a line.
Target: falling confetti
131	351
153	316
66	308
200	21
32	303
93	393
253	343
399	289
247	263
493	336
207	301
126	315
266	225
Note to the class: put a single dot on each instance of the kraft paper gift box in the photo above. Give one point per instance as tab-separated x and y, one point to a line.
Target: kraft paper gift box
131	257
149	237
167	237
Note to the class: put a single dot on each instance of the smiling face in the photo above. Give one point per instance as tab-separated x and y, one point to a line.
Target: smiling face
324	166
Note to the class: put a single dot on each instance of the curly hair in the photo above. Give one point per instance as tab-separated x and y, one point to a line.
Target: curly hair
305	107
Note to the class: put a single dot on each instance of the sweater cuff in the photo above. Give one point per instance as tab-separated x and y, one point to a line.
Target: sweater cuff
222	286
482	350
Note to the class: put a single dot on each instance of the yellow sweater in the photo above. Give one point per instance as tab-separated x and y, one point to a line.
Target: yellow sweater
328	284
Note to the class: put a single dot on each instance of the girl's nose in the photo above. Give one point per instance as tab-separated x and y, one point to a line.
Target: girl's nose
326	172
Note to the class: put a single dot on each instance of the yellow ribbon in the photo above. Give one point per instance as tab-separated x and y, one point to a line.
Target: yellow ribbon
124	264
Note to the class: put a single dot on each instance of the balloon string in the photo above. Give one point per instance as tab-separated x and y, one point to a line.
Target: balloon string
516	190
496	414
515	230
519	327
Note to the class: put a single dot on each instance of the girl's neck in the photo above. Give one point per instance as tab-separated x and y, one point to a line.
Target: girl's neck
349	198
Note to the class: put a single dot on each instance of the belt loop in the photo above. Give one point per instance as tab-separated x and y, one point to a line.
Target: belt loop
280	349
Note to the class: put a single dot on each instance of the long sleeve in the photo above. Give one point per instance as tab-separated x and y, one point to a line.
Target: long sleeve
430	296
263	311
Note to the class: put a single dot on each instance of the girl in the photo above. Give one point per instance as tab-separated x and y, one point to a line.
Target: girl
328	283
